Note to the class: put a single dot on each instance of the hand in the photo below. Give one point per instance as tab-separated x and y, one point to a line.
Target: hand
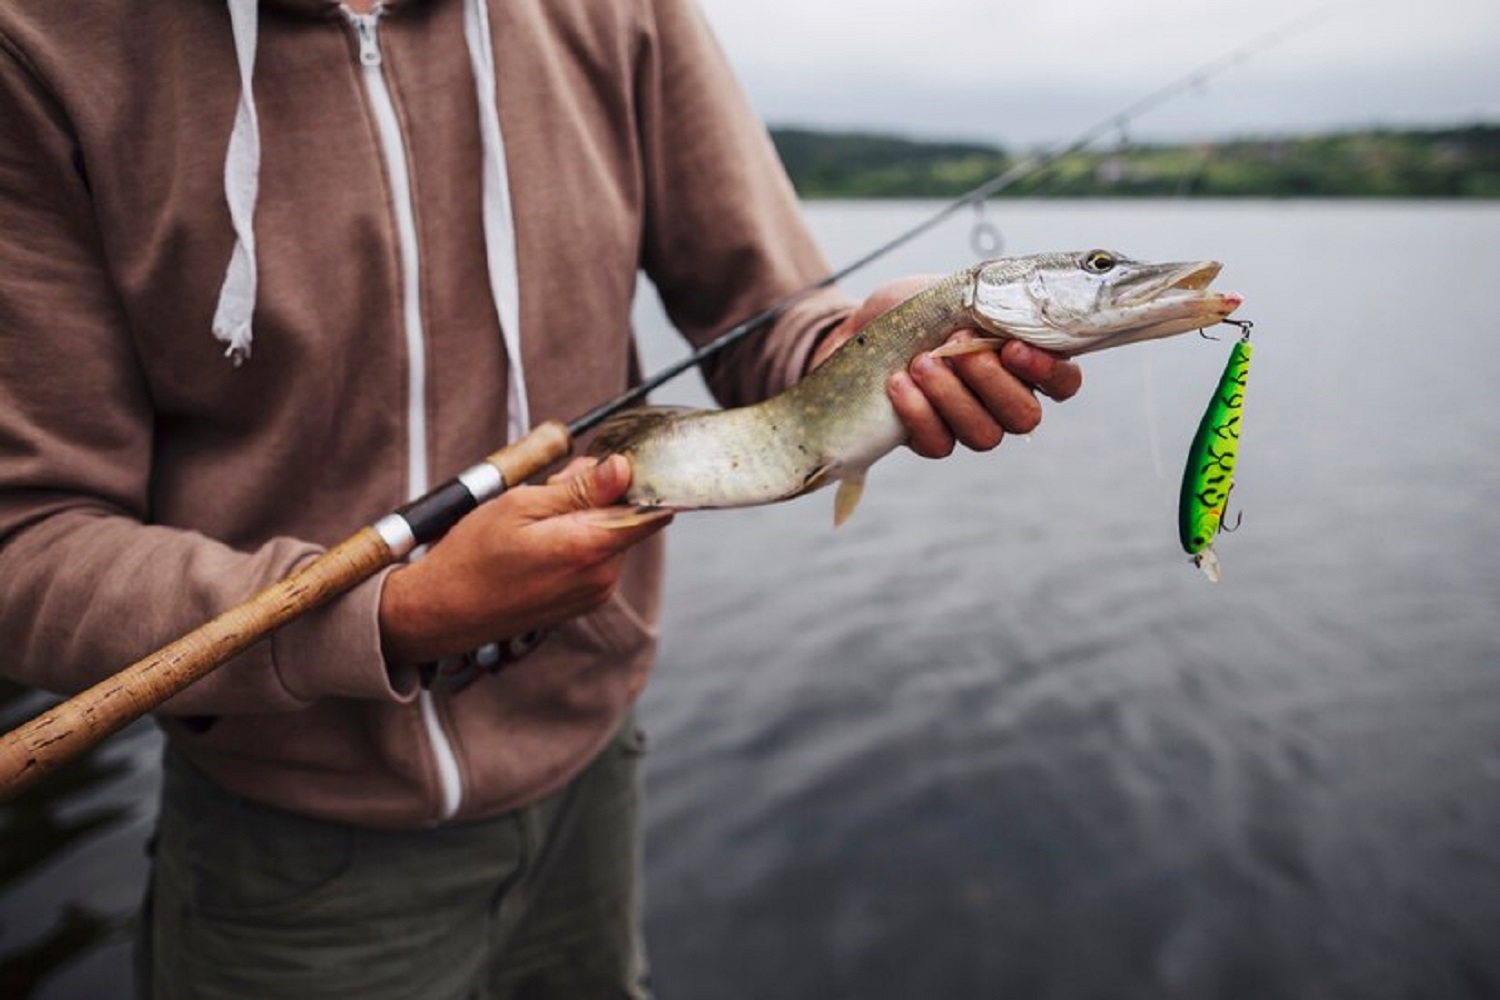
535	556
975	399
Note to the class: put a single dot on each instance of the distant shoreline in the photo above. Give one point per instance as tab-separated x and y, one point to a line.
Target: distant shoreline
1460	162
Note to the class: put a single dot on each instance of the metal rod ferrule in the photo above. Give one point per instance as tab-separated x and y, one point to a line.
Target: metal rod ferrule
397	535
483	481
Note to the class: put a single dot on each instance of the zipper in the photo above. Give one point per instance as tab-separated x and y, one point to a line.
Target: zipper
388	127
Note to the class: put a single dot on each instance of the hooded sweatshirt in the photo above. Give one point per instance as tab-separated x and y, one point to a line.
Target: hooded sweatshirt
405	208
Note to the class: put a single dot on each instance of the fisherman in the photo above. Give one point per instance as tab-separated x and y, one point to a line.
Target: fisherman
265	272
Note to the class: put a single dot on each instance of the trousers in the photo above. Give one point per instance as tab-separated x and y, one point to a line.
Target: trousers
254	903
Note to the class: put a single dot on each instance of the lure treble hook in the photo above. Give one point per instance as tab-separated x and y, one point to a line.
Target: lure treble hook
1239	515
1243	324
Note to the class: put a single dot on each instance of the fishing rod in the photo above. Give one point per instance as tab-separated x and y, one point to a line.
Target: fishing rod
36	748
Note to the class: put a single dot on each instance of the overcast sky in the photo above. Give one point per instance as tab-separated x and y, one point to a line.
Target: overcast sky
1039	72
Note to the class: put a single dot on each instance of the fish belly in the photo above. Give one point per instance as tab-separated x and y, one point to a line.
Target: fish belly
728	458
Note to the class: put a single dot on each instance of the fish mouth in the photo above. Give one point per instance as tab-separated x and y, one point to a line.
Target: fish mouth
1172	280
1162	301
1198	276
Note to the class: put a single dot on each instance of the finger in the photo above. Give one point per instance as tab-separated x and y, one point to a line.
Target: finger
577	467
597	484
1008	401
608	531
1055	377
971	418
927	434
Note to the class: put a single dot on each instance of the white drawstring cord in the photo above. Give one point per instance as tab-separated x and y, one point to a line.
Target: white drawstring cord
497	214
236	307
234	314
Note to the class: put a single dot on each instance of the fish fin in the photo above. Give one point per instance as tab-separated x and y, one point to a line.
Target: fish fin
974	345
847	498
619	518
617	433
814	480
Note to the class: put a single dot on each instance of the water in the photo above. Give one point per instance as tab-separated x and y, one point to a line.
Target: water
996	737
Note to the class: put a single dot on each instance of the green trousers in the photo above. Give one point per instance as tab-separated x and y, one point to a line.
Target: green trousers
256	904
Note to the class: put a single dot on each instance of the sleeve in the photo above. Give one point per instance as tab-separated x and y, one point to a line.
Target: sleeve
87	584
725	238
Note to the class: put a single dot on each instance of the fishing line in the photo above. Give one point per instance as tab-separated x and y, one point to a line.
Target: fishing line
1153	427
1116	123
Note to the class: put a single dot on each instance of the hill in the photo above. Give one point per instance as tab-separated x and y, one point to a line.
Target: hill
1459	162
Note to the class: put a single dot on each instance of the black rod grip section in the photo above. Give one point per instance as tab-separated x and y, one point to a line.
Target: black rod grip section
432	514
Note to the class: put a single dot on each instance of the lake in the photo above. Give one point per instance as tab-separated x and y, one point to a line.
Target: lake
996	736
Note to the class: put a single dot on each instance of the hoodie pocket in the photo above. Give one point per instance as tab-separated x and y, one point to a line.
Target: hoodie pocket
616	629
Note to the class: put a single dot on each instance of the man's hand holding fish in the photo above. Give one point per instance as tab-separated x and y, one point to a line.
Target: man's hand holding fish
974	399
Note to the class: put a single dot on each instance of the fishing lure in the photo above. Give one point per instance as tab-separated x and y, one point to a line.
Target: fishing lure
1209	474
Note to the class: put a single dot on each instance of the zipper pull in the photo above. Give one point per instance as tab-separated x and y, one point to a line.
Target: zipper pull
369	45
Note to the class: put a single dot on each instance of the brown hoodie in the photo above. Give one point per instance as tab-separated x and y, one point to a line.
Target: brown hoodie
146	482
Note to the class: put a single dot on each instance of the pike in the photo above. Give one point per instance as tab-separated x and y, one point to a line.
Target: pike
836	422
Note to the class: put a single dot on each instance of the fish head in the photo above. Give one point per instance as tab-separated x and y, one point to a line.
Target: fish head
1074	303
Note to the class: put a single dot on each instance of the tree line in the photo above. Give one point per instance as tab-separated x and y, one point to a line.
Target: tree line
1457	162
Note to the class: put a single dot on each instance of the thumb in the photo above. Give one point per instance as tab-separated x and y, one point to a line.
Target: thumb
598	485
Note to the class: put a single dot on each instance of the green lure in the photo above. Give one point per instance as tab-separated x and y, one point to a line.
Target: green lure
1209	475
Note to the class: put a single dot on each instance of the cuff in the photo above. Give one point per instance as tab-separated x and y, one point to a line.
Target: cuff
335	651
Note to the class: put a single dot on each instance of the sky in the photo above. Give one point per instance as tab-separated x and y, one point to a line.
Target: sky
1032	74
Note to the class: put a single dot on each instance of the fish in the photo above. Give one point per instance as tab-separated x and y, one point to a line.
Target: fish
836	422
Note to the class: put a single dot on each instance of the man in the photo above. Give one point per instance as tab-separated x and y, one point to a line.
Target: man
265	272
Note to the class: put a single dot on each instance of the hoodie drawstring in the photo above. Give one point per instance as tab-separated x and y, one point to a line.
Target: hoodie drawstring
236	308
233	317
498	218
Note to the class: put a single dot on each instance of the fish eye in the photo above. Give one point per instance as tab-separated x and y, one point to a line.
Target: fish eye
1098	261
